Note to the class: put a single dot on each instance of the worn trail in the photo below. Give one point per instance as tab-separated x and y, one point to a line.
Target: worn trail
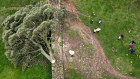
100	61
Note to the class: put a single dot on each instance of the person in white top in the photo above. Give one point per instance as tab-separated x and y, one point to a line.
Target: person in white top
100	21
120	37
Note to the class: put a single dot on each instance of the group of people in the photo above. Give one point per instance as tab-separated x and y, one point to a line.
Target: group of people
96	29
131	45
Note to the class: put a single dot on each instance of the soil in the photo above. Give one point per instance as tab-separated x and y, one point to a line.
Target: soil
93	64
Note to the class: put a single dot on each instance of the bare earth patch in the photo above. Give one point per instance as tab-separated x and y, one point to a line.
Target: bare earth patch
91	63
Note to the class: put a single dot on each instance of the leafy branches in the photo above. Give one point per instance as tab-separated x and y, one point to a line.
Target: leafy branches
27	34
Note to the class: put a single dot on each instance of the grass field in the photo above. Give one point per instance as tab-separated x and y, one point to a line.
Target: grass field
17	3
7	70
118	17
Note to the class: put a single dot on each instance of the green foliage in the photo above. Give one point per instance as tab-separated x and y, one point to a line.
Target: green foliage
27	30
7	70
61	15
119	17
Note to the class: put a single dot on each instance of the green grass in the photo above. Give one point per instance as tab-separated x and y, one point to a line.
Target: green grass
7	12
118	16
17	3
7	70
74	75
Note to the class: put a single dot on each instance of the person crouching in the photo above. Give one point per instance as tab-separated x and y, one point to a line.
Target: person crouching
120	37
97	30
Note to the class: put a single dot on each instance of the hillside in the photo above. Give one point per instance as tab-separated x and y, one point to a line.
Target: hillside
97	55
118	17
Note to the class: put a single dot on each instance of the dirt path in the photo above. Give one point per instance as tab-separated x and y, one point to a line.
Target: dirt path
92	66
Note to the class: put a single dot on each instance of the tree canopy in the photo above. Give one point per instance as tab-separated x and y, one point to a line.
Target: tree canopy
27	34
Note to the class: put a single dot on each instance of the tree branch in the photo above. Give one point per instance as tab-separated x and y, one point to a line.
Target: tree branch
50	58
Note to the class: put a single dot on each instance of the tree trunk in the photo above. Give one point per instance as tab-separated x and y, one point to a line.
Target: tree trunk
49	57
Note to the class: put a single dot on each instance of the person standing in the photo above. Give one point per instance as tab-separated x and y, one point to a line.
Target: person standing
99	22
91	22
133	42
131	45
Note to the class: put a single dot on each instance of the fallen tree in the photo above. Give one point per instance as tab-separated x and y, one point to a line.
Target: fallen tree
28	32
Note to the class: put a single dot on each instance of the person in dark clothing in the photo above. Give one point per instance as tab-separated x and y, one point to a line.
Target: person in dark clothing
91	22
133	42
132	51
120	37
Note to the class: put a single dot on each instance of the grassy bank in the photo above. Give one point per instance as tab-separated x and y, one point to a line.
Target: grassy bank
119	17
7	70
17	3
